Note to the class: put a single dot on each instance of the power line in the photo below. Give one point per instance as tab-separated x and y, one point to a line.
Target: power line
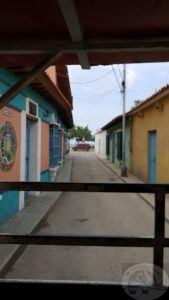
91	81
116	78
87	82
96	95
120	72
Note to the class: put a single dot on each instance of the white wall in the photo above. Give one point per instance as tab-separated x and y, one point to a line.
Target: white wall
100	143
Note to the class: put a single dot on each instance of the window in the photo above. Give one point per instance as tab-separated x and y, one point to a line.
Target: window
53	158
60	146
31	108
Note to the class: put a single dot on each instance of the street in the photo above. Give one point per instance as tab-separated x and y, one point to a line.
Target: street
85	214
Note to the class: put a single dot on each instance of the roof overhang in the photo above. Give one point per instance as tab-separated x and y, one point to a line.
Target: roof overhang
85	32
91	32
45	87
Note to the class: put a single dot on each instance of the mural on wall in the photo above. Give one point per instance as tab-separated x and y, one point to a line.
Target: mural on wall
8	146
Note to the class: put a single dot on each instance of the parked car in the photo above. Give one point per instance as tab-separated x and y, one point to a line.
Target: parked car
81	146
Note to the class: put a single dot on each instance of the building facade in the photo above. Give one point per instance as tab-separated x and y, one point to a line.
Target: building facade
113	141
33	134
146	139
150	138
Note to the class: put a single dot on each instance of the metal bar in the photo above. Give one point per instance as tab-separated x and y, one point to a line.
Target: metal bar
83	59
28	78
70	14
71	18
46	45
85	187
70	240
159	233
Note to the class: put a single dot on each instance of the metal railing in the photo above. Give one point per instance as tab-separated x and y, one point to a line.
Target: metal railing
157	242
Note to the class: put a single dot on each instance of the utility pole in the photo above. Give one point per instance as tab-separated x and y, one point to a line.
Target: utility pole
123	167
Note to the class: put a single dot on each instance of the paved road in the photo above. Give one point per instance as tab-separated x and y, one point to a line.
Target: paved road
89	213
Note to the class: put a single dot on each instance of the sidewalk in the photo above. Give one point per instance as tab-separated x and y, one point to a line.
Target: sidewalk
149	198
31	217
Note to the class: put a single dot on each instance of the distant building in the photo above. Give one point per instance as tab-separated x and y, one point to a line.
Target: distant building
111	144
100	143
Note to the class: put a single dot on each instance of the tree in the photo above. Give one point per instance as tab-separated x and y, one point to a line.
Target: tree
136	103
81	133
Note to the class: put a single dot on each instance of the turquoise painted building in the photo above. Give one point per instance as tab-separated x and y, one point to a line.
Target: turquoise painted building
33	135
114	141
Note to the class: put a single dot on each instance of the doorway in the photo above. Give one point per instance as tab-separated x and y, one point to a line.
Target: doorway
152	156
32	152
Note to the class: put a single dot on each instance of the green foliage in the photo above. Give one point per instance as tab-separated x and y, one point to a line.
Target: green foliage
81	133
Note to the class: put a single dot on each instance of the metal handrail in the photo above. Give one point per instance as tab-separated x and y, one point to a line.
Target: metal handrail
158	241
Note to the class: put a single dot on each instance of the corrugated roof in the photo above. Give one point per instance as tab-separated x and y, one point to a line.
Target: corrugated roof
62	80
157	96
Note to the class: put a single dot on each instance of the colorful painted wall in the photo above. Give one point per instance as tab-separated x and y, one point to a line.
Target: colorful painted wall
10	136
18	157
148	120
13	118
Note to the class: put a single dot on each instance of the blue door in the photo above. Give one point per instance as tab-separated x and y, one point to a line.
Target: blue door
59	146
54	146
27	154
152	156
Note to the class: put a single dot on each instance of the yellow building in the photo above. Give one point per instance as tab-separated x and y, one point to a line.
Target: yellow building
150	138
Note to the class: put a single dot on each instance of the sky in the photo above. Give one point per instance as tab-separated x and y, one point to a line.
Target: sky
97	97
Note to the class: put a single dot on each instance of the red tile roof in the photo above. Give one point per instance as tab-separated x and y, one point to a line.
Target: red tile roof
62	81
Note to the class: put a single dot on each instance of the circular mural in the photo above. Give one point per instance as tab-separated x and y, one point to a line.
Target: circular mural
8	145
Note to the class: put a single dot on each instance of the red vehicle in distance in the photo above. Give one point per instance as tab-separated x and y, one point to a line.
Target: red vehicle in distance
82	147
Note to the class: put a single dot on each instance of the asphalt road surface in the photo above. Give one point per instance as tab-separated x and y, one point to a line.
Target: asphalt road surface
85	214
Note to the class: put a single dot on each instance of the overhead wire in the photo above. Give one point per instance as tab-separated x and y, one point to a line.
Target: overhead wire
86	82
96	95
116	77
120	72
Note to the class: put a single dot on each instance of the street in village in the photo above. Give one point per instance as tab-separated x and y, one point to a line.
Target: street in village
84	214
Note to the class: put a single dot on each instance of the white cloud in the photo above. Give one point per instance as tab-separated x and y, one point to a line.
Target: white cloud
162	74
130	77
